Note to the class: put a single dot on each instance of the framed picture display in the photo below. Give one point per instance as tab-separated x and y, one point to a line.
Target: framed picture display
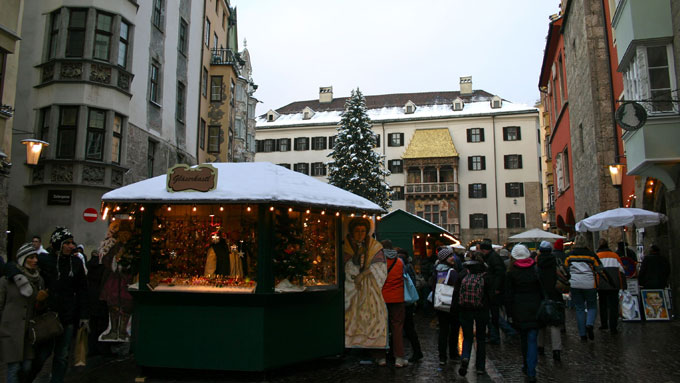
632	286
669	299
655	304
630	307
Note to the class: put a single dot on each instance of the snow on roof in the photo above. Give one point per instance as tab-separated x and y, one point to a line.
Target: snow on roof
397	113
249	182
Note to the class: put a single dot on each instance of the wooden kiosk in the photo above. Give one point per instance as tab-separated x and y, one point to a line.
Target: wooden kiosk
276	295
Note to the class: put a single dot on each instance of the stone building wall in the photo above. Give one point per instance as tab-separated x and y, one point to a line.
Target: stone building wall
593	137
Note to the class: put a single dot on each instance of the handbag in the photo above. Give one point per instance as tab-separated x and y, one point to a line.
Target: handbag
44	327
604	280
410	291
562	280
550	312
443	295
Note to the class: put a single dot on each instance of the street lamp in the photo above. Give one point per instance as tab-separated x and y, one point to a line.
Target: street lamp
616	173
33	149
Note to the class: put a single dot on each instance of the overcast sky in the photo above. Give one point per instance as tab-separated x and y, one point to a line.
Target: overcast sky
393	46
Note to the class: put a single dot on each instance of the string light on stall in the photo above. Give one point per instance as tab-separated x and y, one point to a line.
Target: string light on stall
308	211
169	208
221	208
193	208
141	208
323	212
337	213
248	209
290	209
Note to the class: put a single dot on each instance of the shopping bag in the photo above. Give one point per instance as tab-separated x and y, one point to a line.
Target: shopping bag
80	353
44	327
410	292
443	294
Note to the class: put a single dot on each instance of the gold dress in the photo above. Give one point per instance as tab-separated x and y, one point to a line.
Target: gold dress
365	309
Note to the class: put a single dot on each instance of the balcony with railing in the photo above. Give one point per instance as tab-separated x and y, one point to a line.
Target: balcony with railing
415	189
223	56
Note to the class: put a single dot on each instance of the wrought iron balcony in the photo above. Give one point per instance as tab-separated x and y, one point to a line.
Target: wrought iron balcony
431	188
223	56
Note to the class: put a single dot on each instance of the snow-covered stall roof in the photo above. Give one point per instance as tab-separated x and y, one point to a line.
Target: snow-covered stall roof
249	182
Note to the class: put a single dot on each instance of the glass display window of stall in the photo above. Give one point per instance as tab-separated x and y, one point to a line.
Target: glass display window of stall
204	248
304	250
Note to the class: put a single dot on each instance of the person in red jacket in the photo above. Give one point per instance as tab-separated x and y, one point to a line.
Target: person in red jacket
393	294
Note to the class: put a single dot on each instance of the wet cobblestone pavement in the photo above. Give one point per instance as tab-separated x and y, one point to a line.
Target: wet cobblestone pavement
641	352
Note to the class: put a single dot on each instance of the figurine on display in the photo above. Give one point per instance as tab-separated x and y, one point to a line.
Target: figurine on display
217	262
117	276
236	262
365	274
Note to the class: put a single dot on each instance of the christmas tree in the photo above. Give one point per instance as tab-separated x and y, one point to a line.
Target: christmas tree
356	167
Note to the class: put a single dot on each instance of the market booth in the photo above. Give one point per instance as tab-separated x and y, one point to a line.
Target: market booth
238	265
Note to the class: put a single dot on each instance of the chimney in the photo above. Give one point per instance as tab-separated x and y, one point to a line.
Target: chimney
325	94
466	85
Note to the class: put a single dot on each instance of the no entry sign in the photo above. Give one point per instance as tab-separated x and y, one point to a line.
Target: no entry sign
90	215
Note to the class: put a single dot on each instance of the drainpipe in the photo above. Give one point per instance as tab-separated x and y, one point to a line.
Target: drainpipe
198	123
495	178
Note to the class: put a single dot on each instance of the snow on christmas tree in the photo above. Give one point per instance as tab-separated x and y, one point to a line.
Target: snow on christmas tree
356	167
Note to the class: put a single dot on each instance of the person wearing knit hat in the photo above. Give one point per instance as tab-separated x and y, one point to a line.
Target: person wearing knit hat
446	272
20	279
558	250
67	284
547	269
523	298
496	270
17	309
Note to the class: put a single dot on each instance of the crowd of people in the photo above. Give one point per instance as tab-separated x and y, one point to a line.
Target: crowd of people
37	283
491	292
518	292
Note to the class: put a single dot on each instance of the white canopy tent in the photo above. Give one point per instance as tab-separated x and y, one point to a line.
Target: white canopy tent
535	235
620	217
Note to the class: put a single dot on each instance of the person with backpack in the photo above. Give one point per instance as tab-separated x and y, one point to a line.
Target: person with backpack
581	263
609	295
522	300
547	270
409	324
473	293
449	325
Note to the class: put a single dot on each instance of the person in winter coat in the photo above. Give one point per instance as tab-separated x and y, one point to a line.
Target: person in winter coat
497	274
473	292
409	324
609	298
655	270
449	324
581	263
66	282
16	310
393	294
522	300
558	250
547	270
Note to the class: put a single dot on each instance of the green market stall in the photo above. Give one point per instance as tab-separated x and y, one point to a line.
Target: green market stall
412	233
239	265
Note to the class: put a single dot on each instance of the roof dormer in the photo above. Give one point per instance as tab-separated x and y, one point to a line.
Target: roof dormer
272	115
496	102
458	104
307	113
410	107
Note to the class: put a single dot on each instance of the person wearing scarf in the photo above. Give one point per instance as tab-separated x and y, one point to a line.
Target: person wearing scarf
522	300
16	310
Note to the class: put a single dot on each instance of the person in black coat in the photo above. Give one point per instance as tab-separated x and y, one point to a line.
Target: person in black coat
65	279
470	315
522	300
409	325
547	270
655	270
496	270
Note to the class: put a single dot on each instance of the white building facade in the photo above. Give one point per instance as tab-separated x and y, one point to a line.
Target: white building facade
111	85
468	161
